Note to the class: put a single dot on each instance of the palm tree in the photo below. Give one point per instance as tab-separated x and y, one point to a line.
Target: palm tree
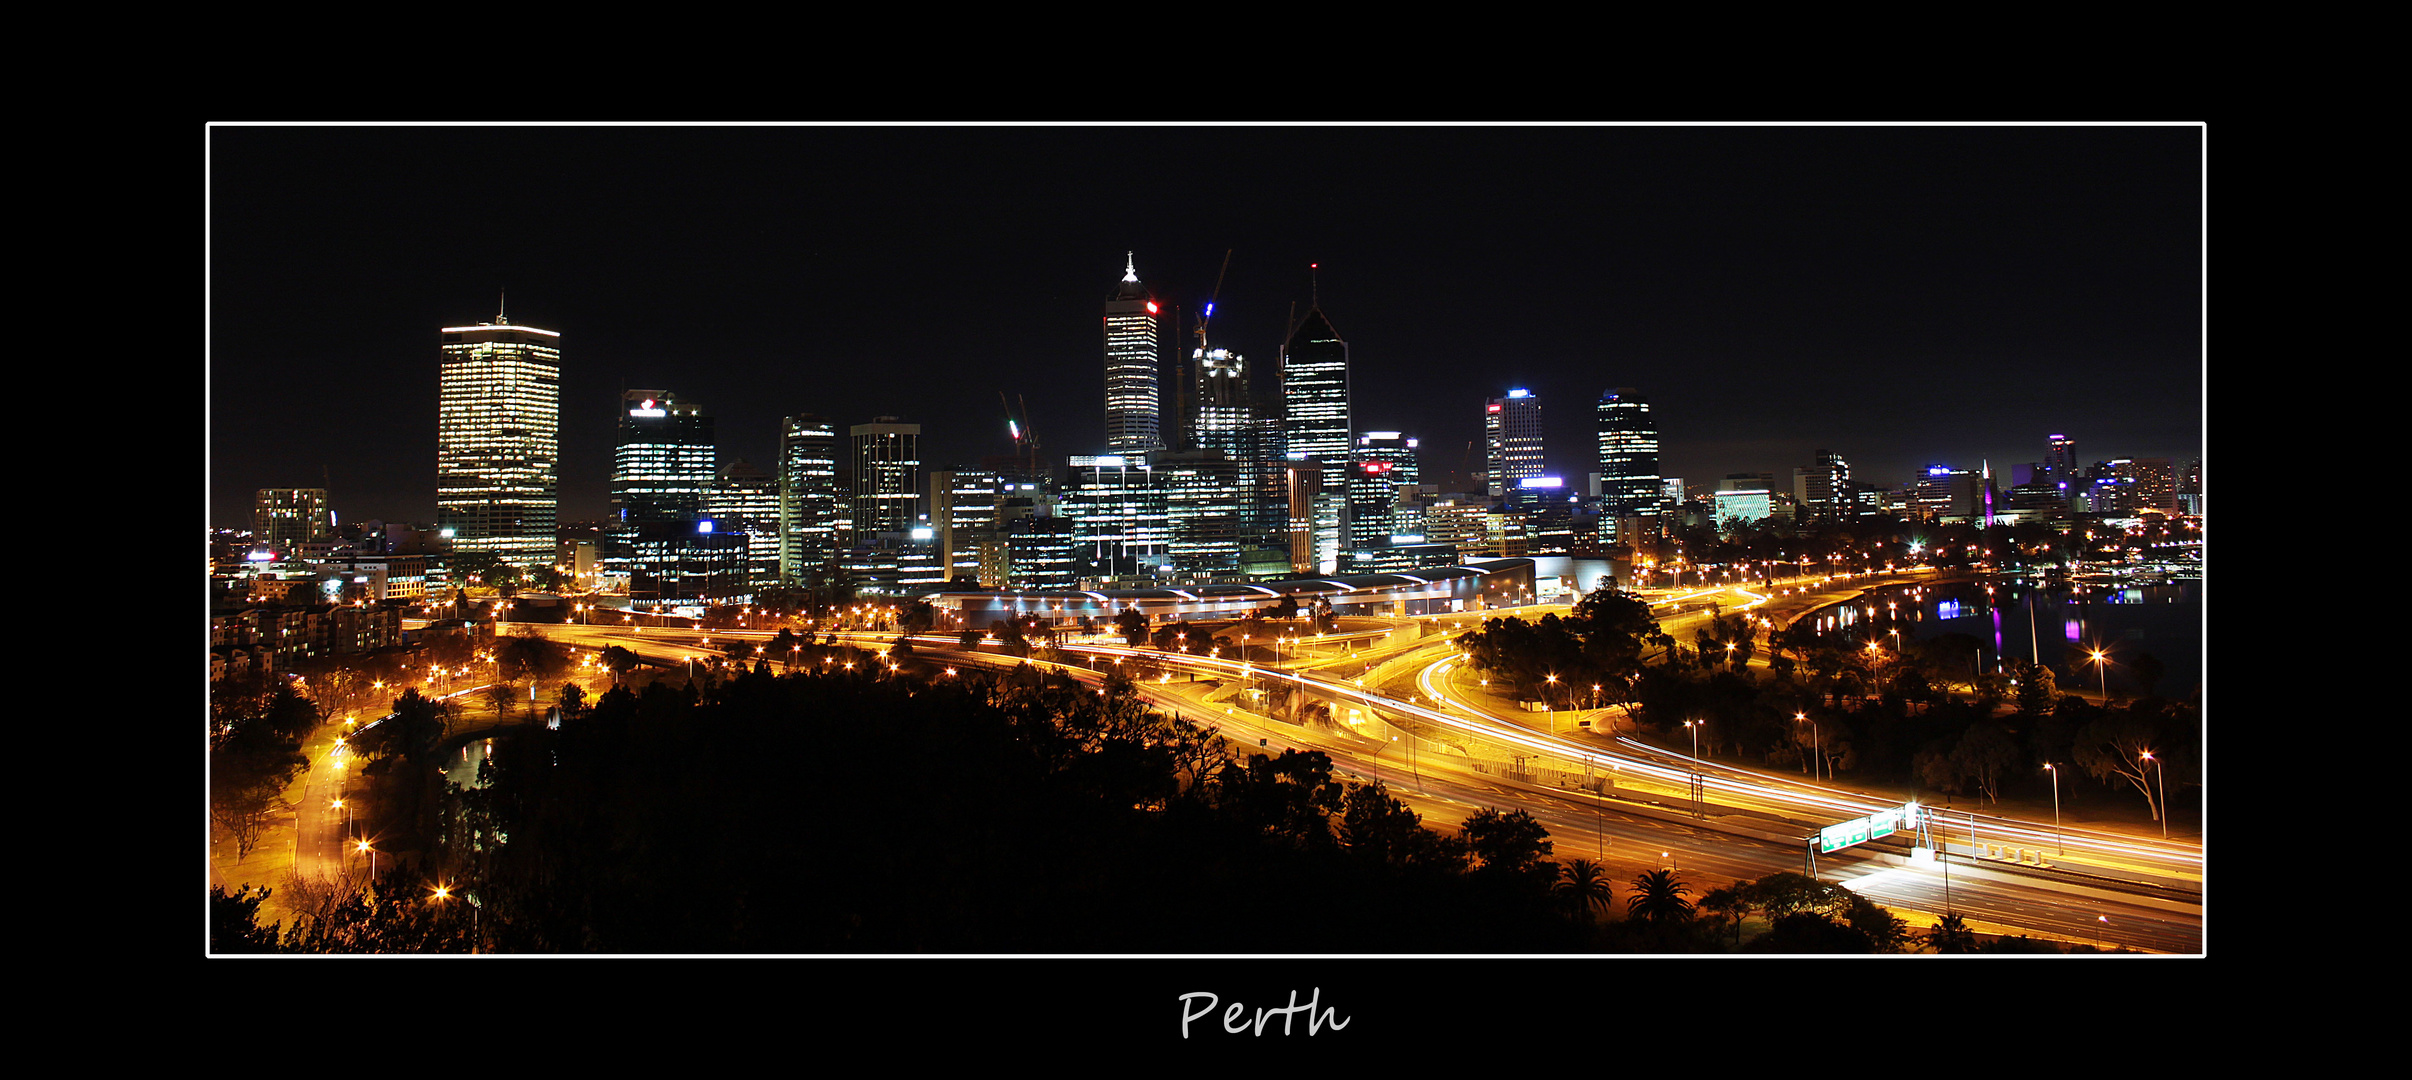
1659	898
1583	885
1951	936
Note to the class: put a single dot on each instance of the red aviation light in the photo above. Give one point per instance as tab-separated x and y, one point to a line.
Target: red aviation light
1151	307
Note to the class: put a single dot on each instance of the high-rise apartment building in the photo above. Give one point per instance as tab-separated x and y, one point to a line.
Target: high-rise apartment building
813	514
1629	480
498	425
887	478
1511	429
285	517
1133	399
1315	402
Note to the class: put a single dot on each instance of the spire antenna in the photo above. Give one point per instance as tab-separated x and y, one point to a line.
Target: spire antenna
1130	266
502	309
1314	286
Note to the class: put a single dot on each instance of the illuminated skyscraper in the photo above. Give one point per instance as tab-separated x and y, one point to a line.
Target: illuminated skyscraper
1116	505
812	511
1131	358
1823	490
1511	428
2060	460
665	463
1314	390
498	423
746	499
1629	480
1385	462
887	478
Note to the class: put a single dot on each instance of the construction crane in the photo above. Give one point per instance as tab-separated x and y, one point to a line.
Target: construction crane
1211	298
1025	440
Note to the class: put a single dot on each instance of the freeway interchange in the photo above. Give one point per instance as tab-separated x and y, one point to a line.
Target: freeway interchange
1401	718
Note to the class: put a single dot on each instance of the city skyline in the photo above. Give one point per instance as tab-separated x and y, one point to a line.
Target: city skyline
1898	295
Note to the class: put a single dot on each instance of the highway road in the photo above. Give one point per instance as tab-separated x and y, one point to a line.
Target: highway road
2082	898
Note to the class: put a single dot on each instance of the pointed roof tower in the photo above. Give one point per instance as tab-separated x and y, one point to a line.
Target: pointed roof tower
1131	348
1130	288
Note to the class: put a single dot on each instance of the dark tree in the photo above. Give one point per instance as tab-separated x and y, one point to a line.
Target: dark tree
1583	886
1951	935
234	922
1807	932
1659	898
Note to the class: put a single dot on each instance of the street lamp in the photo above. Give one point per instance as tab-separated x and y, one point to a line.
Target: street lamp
2100	668
2163	776
1817	746
1696	793
2057	842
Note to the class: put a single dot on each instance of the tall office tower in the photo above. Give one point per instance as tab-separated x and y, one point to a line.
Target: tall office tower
498	442
1206	502
1314	391
746	499
2060	460
1824	488
284	517
1131	359
812	511
1116	504
1221	412
1629	480
1225	417
1511	428
1385	460
1269	458
1306	505
966	508
887	478
665	463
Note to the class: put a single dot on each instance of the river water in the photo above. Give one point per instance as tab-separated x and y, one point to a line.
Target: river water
2123	621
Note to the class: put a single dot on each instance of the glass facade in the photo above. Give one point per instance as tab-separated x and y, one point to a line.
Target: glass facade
1629	480
1118	513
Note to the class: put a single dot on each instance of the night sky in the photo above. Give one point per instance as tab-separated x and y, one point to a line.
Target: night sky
1901	295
